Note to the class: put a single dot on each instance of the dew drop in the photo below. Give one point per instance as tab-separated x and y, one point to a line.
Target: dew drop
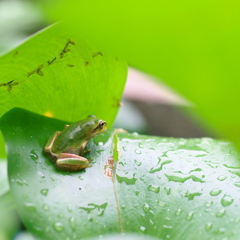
167	190
140	145
137	163
209	203
208	226
178	212
45	207
226	200
237	184
58	227
189	216
41	174
123	207
151	222
142	229
44	192
162	204
146	208
167	227
221	178
124	148
137	151
221	213
72	223
215	192
33	155
137	193
154	188
221	230
69	209
30	207
90	219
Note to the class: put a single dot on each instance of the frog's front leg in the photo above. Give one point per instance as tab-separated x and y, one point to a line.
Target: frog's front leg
72	162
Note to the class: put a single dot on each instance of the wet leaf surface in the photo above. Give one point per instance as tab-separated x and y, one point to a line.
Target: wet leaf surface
164	187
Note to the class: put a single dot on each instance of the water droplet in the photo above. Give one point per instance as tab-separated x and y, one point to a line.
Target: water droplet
30	207
137	163
191	196
137	151
178	212
221	230
222	178
140	145
146	208
45	206
162	204
221	213
215	192
159	165
72	223
92	206
237	184
41	174
33	155
69	208
209	203
154	188
208	226
167	227
128	180
151	222
124	148
58	226
44	192
90	219
189	216
226	200
142	229
167	190
123	207
174	178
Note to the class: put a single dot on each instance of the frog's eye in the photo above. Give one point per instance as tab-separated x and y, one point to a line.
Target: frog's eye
93	116
102	124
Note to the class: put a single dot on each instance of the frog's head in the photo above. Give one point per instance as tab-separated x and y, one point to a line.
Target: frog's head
100	126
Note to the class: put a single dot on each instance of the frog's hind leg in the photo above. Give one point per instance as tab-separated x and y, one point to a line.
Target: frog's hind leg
72	162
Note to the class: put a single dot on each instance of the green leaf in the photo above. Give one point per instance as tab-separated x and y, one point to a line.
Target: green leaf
191	45
56	73
164	187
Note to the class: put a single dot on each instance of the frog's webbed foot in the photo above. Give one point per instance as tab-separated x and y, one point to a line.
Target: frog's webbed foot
72	162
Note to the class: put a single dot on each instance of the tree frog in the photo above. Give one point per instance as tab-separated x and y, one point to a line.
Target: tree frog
66	148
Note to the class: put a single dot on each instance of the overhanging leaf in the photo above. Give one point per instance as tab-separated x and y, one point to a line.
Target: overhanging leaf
164	187
56	73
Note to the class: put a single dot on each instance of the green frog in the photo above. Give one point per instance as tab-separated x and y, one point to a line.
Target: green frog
67	148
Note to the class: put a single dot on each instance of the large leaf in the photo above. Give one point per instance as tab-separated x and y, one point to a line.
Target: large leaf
164	187
57	74
192	45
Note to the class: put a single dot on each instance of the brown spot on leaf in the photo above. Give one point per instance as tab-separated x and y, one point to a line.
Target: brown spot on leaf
97	54
51	62
70	65
108	168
